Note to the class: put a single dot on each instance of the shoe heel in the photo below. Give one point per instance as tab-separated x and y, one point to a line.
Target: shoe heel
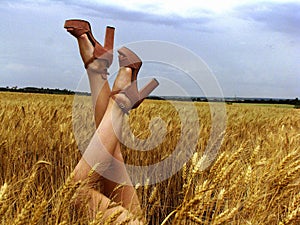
109	38
148	88
145	92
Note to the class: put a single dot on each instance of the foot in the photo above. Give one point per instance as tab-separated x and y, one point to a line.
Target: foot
122	81
86	51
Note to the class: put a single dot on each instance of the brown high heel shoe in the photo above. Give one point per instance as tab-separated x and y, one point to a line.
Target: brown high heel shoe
79	27
128	58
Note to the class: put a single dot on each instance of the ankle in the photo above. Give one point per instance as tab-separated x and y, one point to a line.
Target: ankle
98	66
83	36
123	79
113	109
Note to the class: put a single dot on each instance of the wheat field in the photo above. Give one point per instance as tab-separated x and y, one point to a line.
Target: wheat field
253	180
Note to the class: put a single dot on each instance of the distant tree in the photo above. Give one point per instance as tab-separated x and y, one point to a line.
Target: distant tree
297	103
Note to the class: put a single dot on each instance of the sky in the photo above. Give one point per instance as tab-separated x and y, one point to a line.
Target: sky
251	48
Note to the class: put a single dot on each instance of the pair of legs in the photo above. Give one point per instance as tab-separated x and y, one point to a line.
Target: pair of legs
105	144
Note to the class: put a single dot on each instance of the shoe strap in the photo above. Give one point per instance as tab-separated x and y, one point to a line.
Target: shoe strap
113	93
120	104
102	72
87	63
131	93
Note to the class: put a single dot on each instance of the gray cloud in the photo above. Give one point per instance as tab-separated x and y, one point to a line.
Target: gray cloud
281	17
145	16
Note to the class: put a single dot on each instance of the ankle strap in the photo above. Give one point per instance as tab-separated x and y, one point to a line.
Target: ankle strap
102	72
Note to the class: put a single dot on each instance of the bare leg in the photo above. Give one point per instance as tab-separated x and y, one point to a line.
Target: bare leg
100	91
126	194
104	202
102	147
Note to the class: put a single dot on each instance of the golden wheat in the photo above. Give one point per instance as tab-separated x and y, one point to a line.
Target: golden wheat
253	180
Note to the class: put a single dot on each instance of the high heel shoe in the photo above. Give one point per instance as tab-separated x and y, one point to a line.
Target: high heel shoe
79	27
128	58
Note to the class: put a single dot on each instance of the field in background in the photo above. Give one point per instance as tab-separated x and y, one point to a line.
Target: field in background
268	105
254	180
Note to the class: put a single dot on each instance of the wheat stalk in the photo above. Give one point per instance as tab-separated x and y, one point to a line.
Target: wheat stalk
113	217
226	216
260	150
24	215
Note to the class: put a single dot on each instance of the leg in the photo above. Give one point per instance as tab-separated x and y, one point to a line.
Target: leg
100	151
100	96
104	203
99	202
100	92
99	86
126	194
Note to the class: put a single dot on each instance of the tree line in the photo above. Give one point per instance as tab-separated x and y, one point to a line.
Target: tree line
295	102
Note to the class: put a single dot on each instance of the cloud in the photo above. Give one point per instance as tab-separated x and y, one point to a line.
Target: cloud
19	67
276	15
148	13
145	15
235	43
280	17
